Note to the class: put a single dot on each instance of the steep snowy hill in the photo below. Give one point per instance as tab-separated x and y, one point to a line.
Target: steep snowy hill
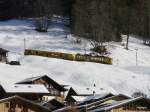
121	77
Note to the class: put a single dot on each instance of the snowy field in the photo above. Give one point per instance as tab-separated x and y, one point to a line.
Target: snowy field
121	77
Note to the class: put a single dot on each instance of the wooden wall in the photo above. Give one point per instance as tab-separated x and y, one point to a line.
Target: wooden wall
5	107
132	107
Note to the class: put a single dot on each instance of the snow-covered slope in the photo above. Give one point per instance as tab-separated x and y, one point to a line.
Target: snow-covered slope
121	77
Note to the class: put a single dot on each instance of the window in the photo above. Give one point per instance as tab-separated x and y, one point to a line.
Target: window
7	105
24	109
43	98
19	106
50	86
46	85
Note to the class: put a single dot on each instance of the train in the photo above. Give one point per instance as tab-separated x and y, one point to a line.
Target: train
69	56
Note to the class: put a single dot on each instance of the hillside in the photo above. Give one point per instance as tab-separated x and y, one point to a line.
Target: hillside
121	77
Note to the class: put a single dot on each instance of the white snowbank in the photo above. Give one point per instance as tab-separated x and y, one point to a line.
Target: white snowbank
123	76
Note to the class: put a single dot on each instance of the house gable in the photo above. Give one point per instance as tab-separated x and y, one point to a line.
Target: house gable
18	104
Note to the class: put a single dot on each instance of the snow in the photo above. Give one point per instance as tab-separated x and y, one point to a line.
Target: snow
114	104
89	90
81	99
121	77
31	79
21	88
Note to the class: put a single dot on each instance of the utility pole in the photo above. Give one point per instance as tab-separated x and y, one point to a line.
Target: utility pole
24	40
117	61
136	56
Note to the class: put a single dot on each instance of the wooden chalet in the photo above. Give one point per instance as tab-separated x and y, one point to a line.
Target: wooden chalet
3	55
52	104
95	103
108	104
138	104
53	87
74	94
31	92
19	104
81	100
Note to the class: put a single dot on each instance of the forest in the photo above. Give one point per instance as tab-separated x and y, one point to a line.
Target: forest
107	20
97	20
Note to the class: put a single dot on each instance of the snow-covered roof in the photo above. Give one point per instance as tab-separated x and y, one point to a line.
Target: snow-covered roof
79	98
3	50
116	104
98	96
93	90
123	76
89	98
30	79
23	88
50	80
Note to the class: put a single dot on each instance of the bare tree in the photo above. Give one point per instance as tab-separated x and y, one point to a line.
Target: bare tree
138	94
128	23
101	24
43	12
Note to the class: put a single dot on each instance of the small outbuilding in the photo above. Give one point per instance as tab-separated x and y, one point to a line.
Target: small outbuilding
82	100
88	95
3	55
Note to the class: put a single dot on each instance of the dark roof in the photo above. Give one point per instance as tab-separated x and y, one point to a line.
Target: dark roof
71	92
52	104
96	104
94	98
3	50
23	100
119	103
44	77
120	97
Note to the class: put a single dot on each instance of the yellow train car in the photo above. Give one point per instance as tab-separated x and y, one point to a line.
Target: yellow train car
65	56
96	59
71	57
